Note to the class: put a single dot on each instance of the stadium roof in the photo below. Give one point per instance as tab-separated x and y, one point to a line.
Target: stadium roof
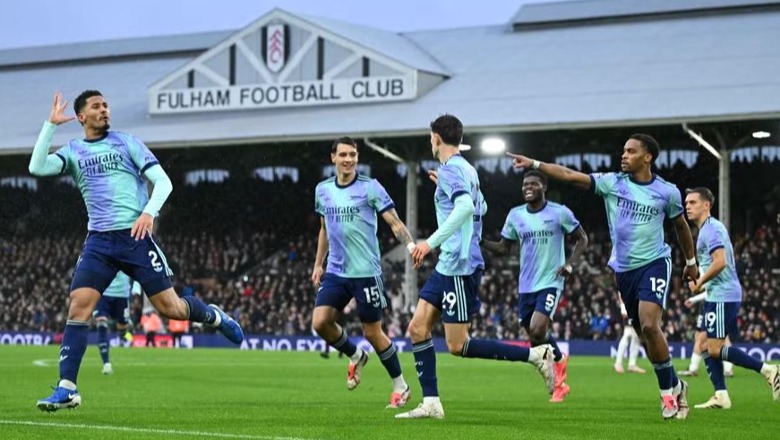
709	61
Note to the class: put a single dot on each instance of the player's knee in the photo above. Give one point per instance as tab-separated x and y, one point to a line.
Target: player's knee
373	334
650	331
417	331
714	352
455	348
321	325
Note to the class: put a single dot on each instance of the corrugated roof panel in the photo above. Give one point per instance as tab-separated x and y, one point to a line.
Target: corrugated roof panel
391	44
711	68
589	10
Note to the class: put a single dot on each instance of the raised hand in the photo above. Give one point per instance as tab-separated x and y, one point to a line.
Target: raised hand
520	161
57	115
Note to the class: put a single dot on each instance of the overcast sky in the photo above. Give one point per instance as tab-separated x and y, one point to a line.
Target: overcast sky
44	22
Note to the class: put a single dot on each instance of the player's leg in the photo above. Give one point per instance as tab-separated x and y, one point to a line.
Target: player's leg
419	329
644	293
710	350
335	293
145	262
388	354
91	277
369	294
726	322
101	315
621	350
460	303
671	387
538	330
699	346
633	350
728	367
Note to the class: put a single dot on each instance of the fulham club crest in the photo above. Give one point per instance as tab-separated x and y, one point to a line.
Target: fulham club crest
275	45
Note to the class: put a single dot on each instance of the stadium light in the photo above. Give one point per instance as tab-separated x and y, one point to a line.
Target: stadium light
493	145
761	134
464	147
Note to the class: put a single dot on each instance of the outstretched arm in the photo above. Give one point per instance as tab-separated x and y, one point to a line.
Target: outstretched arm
462	212
398	227
557	172
42	163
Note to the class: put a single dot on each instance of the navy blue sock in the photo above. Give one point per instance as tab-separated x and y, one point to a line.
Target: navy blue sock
557	355
344	345
389	359
664	371
491	349
425	364
715	371
200	312
739	357
102	329
74	344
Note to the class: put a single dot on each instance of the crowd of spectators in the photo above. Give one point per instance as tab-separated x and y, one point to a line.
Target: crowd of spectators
254	257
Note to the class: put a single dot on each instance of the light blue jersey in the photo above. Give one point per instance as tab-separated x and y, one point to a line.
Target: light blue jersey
725	286
636	213
460	254
120	287
350	214
541	235
108	172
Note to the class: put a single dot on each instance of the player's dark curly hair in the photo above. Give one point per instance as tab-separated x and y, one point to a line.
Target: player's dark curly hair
449	128
648	143
535	173
81	100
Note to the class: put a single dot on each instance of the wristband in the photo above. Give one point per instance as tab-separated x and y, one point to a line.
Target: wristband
410	246
690	261
536	164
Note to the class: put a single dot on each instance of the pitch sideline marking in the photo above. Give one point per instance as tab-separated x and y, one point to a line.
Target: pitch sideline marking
146	430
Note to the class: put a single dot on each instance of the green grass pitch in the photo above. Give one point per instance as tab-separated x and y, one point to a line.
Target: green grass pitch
232	394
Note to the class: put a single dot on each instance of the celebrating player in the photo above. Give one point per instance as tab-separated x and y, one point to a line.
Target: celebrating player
451	292
348	204
637	202
108	167
540	227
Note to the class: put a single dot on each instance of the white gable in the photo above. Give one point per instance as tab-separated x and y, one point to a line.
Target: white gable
282	60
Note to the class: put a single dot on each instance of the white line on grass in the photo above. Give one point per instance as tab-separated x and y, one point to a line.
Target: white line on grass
146	430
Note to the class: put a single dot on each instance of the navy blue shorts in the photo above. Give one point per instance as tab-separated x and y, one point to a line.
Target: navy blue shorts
647	283
456	297
369	293
106	253
544	301
720	319
112	307
700	323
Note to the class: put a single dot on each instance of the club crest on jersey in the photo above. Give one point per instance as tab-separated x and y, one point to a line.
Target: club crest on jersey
276	47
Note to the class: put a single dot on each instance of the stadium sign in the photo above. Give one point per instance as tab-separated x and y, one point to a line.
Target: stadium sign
291	94
282	60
